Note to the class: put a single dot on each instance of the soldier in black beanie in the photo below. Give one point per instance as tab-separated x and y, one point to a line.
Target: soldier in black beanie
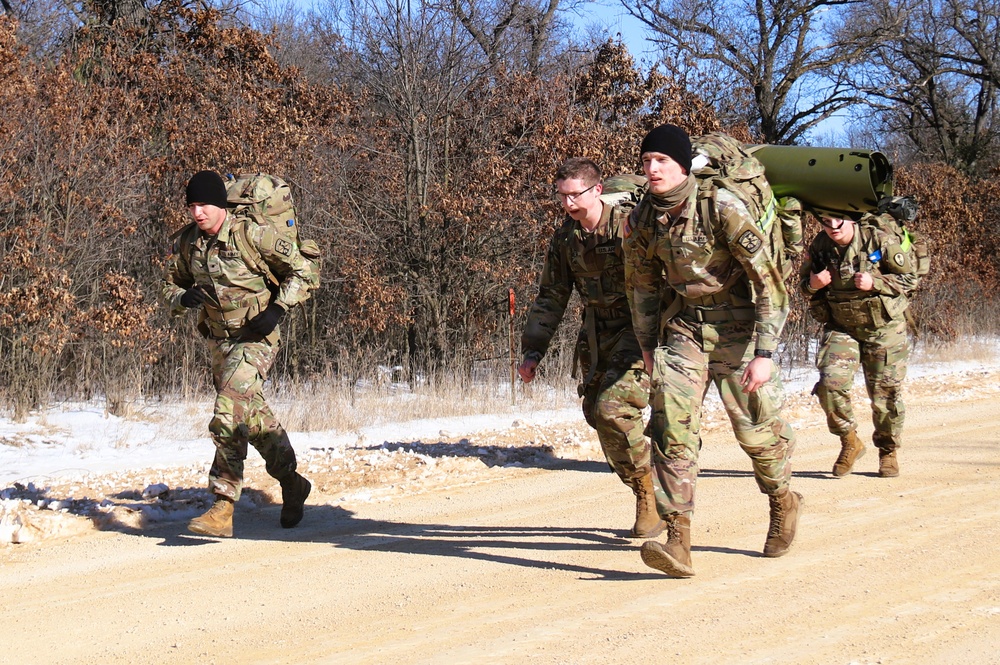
708	305
208	188
671	141
209	271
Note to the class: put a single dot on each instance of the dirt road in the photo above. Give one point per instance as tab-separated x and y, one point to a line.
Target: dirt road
530	564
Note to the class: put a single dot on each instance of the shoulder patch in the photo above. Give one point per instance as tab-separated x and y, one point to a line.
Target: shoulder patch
750	241
899	259
283	247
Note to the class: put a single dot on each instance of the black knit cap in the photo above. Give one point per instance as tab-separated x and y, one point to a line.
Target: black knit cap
670	140
206	187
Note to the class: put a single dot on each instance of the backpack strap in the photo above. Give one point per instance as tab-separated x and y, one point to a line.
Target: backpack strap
240	234
177	238
708	209
179	232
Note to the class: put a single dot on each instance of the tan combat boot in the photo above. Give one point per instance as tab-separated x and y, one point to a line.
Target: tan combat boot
785	508
294	491
216	521
851	450
888	465
673	557
647	522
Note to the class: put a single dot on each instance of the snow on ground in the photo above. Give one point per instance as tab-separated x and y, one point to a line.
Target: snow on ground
75	467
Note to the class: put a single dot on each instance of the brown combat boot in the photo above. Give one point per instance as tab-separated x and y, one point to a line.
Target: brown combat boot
673	557
216	521
888	465
647	522
851	450
785	508
294	491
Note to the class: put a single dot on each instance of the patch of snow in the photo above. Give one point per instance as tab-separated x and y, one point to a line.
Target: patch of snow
75	468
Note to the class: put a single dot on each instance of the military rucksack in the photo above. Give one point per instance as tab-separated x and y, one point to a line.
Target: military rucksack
894	214
623	192
259	198
720	161
623	189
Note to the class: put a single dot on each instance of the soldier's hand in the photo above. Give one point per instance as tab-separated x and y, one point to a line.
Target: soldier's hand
264	323
526	370
818	280
864	281
194	296
757	373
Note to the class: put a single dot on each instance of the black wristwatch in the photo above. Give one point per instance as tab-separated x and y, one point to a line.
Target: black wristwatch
761	353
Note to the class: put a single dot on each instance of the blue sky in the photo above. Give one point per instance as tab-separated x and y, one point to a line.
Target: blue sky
610	16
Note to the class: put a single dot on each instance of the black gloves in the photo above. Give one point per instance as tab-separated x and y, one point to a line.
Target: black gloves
194	296
264	323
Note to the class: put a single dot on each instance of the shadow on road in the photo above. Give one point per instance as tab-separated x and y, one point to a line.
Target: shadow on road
529	546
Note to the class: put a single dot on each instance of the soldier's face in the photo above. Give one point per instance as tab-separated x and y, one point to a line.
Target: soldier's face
662	172
841	231
208	217
577	196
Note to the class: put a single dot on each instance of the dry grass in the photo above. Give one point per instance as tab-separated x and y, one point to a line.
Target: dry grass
329	406
959	350
333	404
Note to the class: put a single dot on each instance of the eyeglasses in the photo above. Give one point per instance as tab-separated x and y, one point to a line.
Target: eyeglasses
559	196
833	224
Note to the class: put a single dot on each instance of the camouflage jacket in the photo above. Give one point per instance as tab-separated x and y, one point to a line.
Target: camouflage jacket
592	263
722	269
237	293
872	250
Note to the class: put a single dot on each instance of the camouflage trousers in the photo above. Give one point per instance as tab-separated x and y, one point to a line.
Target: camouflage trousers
613	402
694	357
242	416
882	354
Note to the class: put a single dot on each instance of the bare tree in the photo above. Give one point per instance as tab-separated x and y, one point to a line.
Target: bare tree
778	52
936	84
419	67
508	30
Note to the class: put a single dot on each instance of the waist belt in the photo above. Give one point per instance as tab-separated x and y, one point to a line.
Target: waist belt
606	324
606	313
593	320
228	323
704	315
849	296
217	330
858	313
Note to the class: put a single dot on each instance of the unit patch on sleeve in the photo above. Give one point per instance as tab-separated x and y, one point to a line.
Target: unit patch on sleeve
750	241
283	247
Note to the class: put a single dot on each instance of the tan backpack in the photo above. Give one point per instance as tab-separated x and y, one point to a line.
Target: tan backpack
720	161
259	198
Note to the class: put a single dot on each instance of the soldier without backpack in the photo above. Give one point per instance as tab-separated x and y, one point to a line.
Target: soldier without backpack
239	316
709	304
586	254
858	278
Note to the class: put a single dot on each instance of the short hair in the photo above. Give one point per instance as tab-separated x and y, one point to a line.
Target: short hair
579	167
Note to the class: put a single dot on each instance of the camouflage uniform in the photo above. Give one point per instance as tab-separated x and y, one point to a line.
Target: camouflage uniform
862	326
703	300
615	387
239	364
